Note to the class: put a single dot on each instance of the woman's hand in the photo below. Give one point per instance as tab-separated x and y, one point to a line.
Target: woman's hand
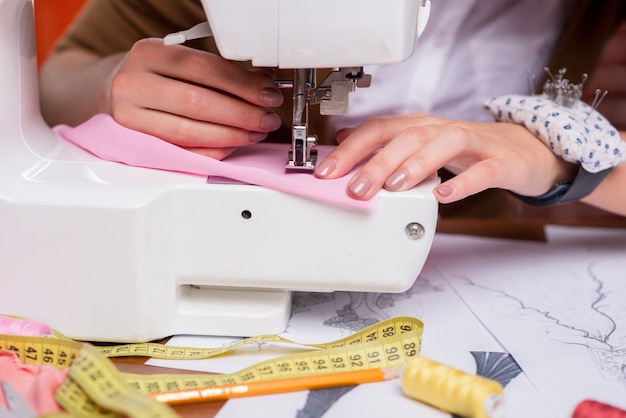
191	98
409	148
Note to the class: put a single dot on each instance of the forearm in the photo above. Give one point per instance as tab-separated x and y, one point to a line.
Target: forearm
75	85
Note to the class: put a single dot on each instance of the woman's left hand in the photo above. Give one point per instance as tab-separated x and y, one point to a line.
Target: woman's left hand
409	148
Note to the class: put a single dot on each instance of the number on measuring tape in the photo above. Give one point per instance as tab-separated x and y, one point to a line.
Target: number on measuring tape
95	387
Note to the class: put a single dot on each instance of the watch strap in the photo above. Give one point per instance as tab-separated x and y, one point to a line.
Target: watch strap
583	184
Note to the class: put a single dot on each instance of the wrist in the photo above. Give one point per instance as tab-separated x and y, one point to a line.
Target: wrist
566	172
108	68
583	184
571	129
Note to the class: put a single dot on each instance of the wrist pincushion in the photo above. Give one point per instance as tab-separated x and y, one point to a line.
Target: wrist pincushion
573	130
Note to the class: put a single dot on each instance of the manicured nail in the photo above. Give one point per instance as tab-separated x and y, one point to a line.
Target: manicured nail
325	167
271	97
271	122
257	136
444	190
360	185
396	180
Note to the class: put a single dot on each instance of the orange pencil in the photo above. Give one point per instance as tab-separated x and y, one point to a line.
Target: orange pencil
268	387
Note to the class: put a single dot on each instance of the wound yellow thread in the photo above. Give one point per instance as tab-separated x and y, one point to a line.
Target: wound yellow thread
452	390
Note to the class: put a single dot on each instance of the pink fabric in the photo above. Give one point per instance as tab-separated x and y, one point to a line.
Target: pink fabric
259	164
13	326
35	383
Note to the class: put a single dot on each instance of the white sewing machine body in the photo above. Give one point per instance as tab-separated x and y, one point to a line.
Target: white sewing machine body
107	252
316	34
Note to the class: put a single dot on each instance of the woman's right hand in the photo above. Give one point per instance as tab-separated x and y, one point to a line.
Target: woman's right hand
191	98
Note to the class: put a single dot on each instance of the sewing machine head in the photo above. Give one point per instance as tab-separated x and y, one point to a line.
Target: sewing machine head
304	35
104	251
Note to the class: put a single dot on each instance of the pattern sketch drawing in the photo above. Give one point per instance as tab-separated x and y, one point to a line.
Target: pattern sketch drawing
355	311
557	308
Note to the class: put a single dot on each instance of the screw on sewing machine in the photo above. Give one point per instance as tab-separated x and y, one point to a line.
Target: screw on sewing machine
415	231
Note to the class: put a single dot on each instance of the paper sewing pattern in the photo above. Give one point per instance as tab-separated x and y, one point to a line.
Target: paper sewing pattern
593	324
355	311
558	309
259	164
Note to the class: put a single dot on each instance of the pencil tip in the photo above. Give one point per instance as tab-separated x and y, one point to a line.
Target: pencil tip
390	374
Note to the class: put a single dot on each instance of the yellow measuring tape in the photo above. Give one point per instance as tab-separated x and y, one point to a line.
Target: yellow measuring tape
94	387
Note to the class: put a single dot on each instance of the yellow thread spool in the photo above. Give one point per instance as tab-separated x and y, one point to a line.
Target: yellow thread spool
452	390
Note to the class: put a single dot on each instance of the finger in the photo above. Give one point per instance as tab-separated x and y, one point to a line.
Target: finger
480	176
412	156
384	165
504	173
433	147
361	142
343	133
269	72
191	101
187	132
210	70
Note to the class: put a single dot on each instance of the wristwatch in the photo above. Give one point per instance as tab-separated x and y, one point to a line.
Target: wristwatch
583	184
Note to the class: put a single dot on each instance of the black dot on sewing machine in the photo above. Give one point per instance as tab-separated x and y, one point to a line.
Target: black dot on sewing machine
246	214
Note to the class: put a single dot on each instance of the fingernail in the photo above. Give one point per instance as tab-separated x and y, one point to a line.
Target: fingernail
360	185
325	167
444	190
271	97
271	122
396	180
257	136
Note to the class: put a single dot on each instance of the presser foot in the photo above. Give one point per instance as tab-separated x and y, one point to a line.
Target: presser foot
308	165
303	155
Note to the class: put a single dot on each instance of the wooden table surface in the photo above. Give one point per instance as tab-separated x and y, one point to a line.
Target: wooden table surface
523	229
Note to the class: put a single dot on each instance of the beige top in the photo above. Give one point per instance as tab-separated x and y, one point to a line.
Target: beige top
109	26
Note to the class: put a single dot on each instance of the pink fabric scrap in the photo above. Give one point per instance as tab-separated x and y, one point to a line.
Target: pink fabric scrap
35	383
259	164
14	326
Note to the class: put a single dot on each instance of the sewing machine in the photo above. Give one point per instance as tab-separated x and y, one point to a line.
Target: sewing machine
293	35
108	252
